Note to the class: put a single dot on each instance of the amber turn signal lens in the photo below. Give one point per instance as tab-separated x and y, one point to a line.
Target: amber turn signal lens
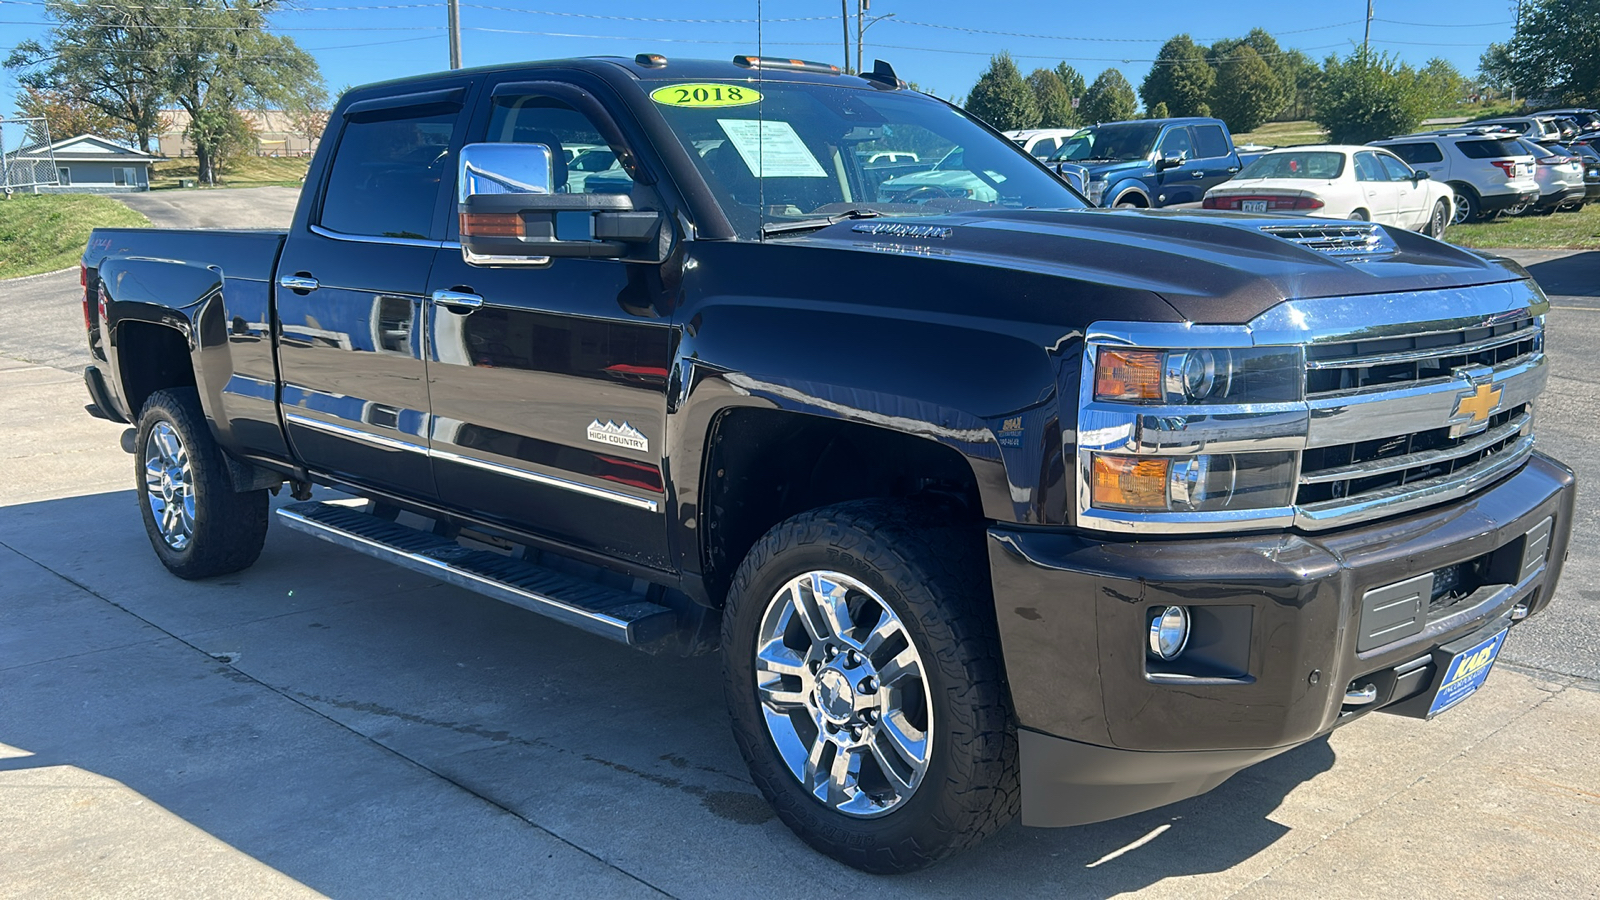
491	225
1128	375
1128	482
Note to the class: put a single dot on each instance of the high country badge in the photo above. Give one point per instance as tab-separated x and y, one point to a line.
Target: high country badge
623	435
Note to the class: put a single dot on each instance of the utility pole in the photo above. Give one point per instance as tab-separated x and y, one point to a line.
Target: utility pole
1366	41
861	7
454	9
844	19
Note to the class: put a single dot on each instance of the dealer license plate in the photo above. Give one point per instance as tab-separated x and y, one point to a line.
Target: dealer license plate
1252	206
1466	674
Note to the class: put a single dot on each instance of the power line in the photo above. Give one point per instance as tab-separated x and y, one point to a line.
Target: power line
1447	24
188	27
1103	40
576	15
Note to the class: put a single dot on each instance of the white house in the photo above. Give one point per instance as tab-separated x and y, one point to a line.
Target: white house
92	164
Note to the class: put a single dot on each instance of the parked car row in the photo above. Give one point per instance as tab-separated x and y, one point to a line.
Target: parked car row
1364	184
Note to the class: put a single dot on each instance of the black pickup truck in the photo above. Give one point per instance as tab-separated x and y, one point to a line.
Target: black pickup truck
991	501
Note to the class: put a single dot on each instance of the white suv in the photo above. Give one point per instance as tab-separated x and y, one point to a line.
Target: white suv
1041	142
1488	169
1542	129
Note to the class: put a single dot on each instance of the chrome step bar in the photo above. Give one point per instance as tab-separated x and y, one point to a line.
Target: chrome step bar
597	609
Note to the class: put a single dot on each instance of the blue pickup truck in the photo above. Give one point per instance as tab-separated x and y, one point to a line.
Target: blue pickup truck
1153	162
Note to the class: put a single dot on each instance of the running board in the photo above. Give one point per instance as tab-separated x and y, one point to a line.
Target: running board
596	609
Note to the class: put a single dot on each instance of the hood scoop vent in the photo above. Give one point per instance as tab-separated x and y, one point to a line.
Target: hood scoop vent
1343	240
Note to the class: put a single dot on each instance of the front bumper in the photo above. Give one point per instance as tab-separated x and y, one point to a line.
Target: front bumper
1104	733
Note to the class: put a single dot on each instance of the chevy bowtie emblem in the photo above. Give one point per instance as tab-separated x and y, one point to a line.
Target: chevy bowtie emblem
1477	404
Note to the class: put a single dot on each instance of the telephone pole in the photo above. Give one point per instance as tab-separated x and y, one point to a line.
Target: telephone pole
844	19
1366	41
454	12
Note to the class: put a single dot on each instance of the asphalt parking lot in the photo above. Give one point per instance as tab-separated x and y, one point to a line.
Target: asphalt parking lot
326	724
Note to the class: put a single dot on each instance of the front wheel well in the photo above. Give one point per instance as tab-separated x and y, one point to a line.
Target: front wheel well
763	466
1133	197
151	358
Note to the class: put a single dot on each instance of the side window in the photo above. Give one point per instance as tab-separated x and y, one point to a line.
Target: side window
581	160
1368	168
1398	171
1044	148
1176	143
1418	154
386	174
1210	142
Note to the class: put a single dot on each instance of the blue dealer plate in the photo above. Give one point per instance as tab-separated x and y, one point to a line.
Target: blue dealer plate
1466	673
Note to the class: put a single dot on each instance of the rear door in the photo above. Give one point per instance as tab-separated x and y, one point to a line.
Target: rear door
1409	193
1378	193
1215	160
549	385
349	292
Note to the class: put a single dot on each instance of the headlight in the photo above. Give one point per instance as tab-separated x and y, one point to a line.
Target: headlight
1207	482
1197	376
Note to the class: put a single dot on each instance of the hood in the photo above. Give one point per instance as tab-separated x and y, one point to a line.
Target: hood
1212	267
1109	170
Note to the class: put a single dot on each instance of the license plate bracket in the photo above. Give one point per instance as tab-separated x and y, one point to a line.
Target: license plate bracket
1255	206
1466	672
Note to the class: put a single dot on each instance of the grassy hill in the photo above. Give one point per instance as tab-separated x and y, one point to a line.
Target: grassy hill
46	232
243	171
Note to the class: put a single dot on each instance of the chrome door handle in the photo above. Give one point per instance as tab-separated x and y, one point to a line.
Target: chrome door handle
458	301
1198	174
298	283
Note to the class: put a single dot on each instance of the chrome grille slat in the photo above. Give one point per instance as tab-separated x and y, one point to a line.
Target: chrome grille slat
1418	460
1334	513
1380	359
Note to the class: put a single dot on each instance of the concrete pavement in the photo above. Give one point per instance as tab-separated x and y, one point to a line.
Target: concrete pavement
323	723
260	207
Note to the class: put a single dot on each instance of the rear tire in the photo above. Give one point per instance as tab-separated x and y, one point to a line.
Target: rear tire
907	586
1467	208
197	523
1360	215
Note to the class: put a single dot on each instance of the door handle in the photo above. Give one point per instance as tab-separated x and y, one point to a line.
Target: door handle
303	283
1198	174
457	301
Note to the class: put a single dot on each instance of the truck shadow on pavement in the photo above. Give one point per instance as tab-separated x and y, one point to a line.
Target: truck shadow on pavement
1577	275
365	731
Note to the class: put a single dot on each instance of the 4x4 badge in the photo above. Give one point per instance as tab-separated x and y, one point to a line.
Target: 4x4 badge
623	435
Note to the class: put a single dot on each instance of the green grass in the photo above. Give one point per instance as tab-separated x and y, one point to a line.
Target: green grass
1284	134
46	232
244	171
1557	231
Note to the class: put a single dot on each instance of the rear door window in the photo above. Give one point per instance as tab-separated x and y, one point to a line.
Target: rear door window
1417	154
1487	149
386	173
1210	142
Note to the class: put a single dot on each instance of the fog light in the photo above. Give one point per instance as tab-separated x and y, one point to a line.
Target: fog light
1169	632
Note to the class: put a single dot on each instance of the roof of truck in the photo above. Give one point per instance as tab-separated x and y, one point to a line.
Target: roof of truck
668	69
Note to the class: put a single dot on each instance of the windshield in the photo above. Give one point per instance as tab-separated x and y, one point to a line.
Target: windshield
1113	143
795	153
1320	164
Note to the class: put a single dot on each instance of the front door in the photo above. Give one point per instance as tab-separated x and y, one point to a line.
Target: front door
548	382
349	295
1180	184
1409	193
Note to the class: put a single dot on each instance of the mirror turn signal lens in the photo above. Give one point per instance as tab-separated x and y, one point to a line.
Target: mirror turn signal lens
1129	482
491	225
1129	375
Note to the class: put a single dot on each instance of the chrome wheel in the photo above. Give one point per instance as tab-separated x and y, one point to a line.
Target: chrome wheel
169	485
844	694
1463	211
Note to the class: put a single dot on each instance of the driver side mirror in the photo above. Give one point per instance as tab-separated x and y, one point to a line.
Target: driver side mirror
511	213
1164	163
1419	175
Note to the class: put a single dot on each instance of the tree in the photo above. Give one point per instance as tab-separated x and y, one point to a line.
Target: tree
1306	75
1002	98
1442	83
1248	92
308	112
1554	52
1496	70
1159	111
1367	96
1266	46
1055	106
103	54
1109	99
1179	77
1074	83
66	117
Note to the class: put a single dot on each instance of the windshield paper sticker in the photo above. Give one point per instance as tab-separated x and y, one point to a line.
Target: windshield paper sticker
704	96
772	149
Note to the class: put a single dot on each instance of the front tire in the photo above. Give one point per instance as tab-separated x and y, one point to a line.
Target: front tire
865	685
1438	220
198	525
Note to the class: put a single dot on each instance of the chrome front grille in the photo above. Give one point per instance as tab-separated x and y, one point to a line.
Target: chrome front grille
1336	239
1391	362
1350	472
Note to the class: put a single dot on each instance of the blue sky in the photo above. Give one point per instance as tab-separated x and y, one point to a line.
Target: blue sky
943	45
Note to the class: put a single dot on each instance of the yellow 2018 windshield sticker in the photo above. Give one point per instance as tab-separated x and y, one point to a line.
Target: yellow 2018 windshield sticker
705	96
